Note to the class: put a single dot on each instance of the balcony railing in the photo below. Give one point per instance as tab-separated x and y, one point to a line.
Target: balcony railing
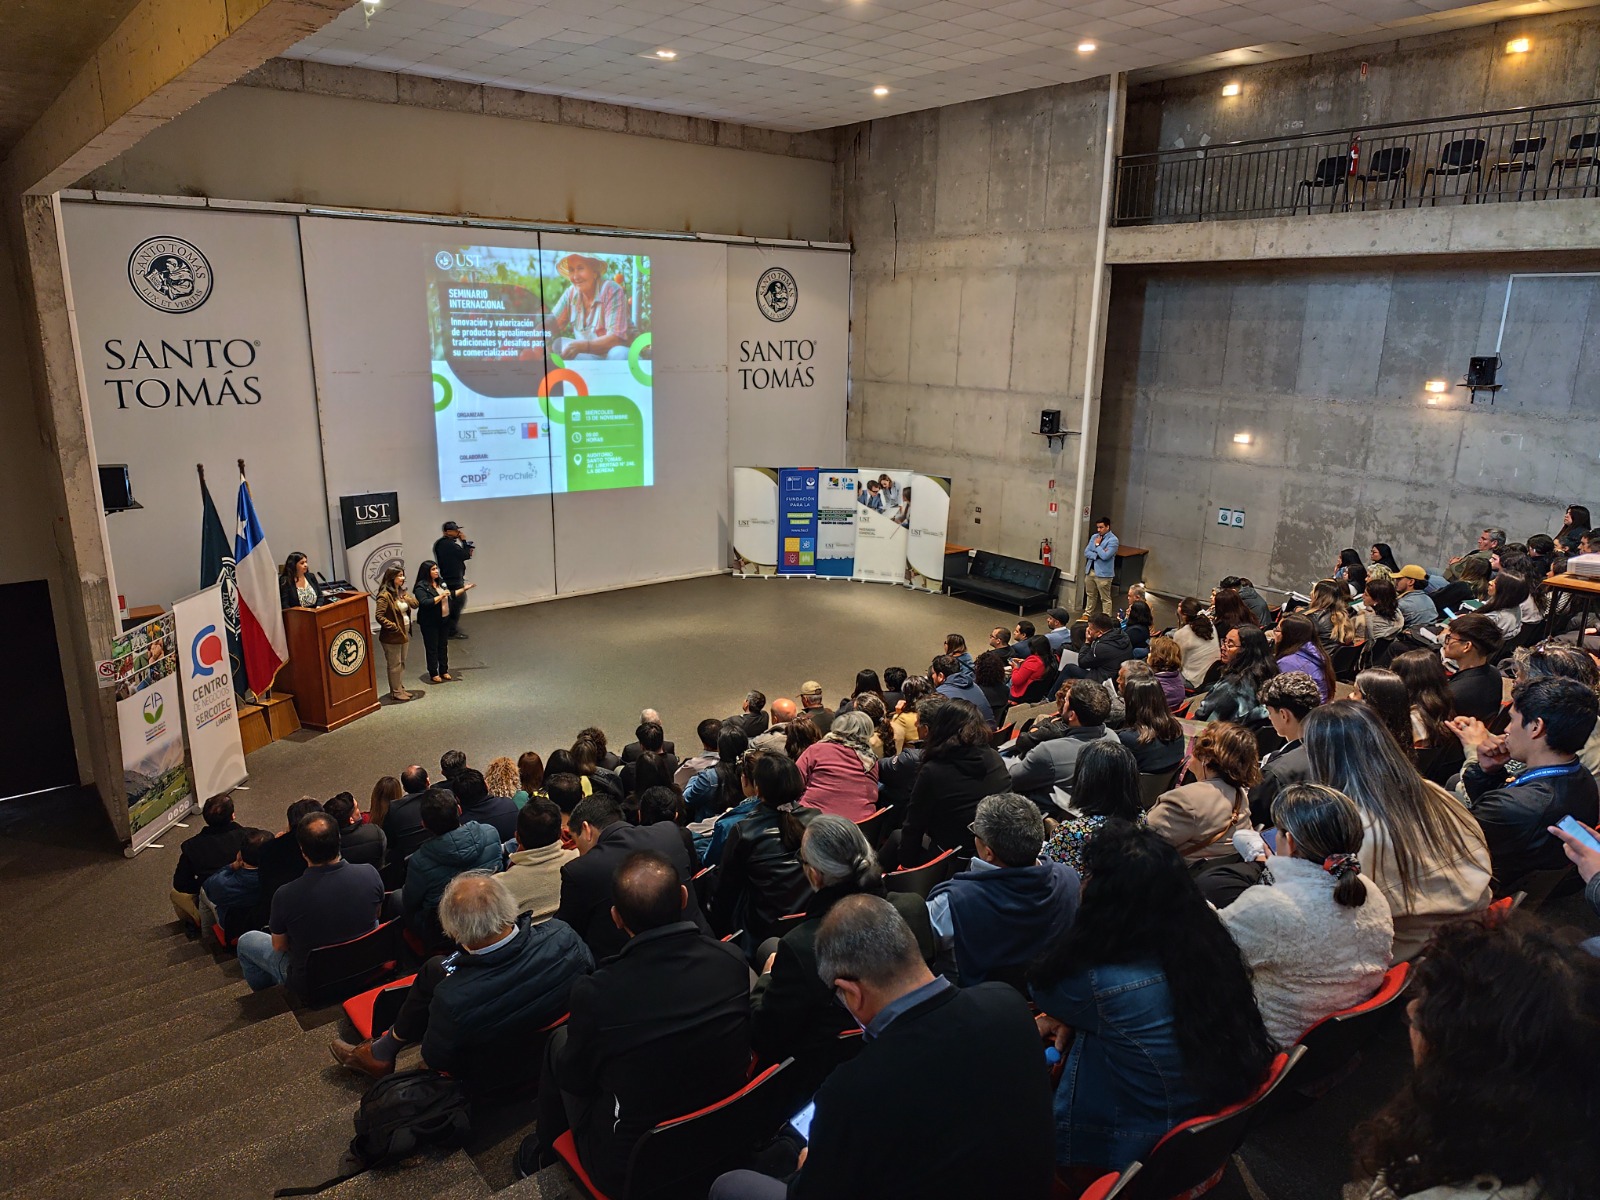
1546	152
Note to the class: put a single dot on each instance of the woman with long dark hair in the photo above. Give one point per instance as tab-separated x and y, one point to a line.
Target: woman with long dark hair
1159	998
1329	613
1347	558
1197	638
903	720
1507	591
759	880
1356	578
1166	662
1385	693
867	682
1380	555
1149	730
384	793
1380	616
959	768
1105	787
1574	524
989	673
295	588
1247	663
393	614
1505	1034
1138	624
1316	934
1229	611
1428	691
1422	847
1300	649
716	789
433	608
1031	669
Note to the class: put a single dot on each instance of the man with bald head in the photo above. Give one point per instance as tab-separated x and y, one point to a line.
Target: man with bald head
661	1029
509	979
783	710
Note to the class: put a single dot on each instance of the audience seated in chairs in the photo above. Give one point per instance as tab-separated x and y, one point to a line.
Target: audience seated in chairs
1385	693
359	842
1199	819
281	859
1149	730
533	874
604	841
794	1011
1247	663
1052	761
231	897
1197	638
1419	844
759	878
840	772
1315	934
1564	661
995	915
1107	788
1505	1032
1106	647
1551	720
954	681
455	846
216	846
959	768
402	825
1288	699
1159	999
660	1030
472	1009
332	902
1472	642
1166	663
978	1123
1300	649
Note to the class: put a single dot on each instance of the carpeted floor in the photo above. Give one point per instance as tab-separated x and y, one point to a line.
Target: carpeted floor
138	1064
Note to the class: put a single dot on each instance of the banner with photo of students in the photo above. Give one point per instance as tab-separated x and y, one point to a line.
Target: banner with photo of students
842	522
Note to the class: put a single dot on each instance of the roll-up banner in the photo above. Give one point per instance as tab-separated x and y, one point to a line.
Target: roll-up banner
836	523
754	549
210	714
927	524
881	506
150	729
372	541
797	521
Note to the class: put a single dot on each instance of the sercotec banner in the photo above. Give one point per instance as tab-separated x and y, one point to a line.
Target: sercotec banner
210	712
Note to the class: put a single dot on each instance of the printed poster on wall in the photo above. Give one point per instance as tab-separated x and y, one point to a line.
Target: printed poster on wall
210	712
754	548
836	523
797	514
883	502
150	729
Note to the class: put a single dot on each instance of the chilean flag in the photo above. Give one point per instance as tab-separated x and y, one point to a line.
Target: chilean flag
266	648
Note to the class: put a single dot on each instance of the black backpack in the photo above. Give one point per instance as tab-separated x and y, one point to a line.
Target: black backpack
400	1115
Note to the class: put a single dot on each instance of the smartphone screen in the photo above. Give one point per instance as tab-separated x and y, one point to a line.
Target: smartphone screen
1571	825
801	1121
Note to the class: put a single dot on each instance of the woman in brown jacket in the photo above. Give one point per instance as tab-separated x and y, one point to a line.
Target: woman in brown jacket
394	627
1200	818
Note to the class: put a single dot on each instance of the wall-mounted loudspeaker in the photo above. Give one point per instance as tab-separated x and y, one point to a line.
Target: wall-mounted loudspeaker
1050	420
116	489
1481	370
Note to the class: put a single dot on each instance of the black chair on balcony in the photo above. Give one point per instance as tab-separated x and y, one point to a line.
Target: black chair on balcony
1332	173
1387	166
1523	158
1464	156
1581	155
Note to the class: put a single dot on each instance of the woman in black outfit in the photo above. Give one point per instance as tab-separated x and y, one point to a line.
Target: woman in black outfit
759	880
1382	556
295	589
1150	730
433	600
959	768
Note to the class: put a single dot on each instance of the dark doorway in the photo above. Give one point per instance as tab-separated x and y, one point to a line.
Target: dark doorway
33	704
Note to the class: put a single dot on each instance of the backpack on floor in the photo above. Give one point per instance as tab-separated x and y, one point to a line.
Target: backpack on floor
400	1115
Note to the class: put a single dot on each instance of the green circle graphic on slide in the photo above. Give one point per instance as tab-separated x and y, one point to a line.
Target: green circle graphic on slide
446	393
634	363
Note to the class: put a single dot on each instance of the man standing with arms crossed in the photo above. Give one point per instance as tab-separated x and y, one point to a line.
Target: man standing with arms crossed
451	552
1099	566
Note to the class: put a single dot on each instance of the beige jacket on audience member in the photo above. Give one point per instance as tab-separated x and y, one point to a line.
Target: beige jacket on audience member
534	879
1444	889
1200	819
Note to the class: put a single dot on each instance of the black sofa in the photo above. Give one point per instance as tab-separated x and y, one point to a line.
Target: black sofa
1014	582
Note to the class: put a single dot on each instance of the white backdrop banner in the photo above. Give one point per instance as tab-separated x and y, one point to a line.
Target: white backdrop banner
927	516
210	713
755	521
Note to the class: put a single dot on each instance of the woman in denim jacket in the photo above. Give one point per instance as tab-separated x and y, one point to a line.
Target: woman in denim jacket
1159	999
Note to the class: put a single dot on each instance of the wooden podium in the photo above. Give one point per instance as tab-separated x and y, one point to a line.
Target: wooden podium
330	668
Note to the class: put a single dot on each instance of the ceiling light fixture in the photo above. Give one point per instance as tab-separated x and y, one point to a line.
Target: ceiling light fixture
368	7
1518	46
667	55
880	90
1087	47
1231	89
1241	439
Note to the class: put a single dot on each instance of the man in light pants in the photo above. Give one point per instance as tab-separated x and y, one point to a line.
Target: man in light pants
1099	566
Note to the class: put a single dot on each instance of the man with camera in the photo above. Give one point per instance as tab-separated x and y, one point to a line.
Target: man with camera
451	552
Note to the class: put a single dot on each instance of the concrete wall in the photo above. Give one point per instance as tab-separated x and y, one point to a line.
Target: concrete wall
974	229
1462	71
1324	366
251	143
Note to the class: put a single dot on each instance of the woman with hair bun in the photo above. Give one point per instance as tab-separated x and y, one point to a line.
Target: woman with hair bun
1316	934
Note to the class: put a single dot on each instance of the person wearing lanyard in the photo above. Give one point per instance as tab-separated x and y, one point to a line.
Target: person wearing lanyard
1551	718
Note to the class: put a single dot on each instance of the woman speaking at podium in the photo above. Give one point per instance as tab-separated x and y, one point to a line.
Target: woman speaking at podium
295	588
436	599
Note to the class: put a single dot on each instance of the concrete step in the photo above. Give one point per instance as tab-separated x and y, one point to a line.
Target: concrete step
265	1115
426	1177
552	1183
25	1030
298	1150
92	966
115	980
36	1071
138	1076
186	1104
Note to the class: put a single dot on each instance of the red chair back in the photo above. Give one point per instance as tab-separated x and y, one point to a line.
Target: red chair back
923	879
1109	1187
879	825
373	1011
1333	1044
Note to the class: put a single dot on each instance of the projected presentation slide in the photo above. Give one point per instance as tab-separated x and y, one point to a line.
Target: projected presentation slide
541	371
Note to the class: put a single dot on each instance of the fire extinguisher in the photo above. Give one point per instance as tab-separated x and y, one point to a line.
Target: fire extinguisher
1045	552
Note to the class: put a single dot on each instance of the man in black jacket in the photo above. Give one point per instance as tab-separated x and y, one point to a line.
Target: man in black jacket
1288	699
281	860
359	842
206	853
981	1124
451	552
1471	642
1107	647
472	1009
1551	718
660	1030
604	840
403	826
498	812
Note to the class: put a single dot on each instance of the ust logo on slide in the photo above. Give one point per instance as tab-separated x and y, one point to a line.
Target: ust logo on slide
777	294
170	274
205	652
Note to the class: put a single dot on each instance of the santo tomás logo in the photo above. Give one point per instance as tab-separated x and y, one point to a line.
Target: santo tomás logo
154	707
347	652
170	274
777	294
205	652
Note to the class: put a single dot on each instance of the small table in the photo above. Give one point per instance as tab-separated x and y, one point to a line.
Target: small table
1585	592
